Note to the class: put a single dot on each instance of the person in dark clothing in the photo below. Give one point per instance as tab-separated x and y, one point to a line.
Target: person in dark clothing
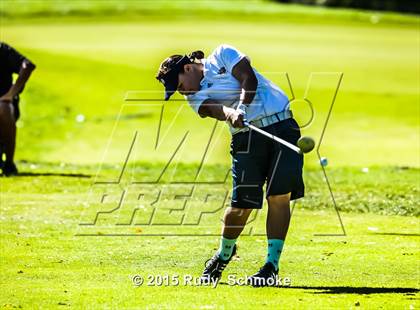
11	62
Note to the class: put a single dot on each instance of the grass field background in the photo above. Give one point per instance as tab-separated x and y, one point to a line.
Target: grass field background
77	127
87	65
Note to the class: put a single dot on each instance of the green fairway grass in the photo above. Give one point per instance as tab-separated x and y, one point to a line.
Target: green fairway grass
87	116
47	261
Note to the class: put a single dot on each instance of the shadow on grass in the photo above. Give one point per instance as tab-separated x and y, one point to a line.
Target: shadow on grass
396	234
357	290
52	174
350	289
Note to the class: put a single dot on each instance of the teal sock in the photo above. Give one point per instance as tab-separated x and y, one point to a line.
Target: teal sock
275	246
226	248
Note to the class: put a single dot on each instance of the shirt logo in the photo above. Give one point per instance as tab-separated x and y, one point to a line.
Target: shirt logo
222	70
209	84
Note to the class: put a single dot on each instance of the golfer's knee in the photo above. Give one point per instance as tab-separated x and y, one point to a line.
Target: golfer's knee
279	200
237	213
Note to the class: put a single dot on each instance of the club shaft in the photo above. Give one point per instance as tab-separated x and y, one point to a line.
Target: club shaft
269	135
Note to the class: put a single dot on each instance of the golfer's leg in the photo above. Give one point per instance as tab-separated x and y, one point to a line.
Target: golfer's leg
234	222
278	217
7	130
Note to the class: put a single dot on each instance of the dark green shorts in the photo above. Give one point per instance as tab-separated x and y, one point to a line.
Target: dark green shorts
258	160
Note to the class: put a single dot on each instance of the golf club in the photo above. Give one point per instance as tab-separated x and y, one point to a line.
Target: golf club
306	147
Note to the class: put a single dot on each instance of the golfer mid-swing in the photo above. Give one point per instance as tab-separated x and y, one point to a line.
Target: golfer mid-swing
224	86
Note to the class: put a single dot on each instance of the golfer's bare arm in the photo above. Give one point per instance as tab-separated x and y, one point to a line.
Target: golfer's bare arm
24	74
243	72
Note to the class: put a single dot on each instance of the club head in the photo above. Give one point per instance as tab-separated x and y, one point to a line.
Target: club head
306	144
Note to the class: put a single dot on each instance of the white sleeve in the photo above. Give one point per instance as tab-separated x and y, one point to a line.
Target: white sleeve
197	99
230	56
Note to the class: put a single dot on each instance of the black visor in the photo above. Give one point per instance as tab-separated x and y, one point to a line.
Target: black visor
170	78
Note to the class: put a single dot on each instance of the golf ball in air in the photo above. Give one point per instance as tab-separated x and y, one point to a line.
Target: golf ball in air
323	161
80	118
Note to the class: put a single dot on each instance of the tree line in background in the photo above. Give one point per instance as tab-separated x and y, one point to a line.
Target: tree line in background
406	6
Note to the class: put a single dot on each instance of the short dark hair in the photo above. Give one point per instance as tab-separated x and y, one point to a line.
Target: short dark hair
166	65
171	67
